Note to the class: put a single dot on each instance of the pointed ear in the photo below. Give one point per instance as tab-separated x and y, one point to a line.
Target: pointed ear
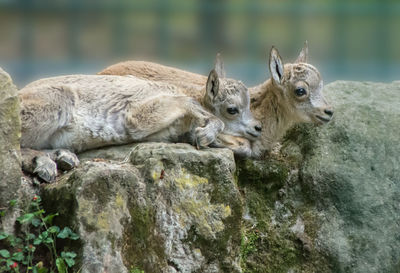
212	86
219	66
275	66
303	56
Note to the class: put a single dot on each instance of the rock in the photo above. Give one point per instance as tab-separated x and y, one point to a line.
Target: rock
341	185
280	226
351	174
327	203
169	208
116	153
10	133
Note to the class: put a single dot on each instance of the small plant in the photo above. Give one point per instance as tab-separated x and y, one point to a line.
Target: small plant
11	204
248	246
24	253
135	270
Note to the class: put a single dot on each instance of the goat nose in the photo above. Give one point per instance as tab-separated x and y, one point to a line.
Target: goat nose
329	112
258	128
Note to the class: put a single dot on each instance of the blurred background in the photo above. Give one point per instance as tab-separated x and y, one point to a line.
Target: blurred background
348	39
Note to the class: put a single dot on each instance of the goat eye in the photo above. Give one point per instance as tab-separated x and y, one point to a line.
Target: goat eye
300	92
232	110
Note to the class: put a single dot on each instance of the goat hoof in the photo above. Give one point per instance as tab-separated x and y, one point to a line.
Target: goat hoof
204	137
46	169
66	160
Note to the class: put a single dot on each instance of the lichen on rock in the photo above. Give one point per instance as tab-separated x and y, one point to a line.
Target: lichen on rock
191	217
173	202
10	158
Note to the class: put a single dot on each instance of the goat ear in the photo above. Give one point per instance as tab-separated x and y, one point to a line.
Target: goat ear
303	56
212	86
275	66
219	66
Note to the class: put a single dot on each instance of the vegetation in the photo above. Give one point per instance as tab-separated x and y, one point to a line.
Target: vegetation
135	270
34	247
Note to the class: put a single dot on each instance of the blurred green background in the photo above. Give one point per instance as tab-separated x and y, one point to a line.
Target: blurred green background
358	40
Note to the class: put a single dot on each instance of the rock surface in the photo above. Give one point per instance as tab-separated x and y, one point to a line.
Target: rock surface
352	174
330	202
169	208
10	132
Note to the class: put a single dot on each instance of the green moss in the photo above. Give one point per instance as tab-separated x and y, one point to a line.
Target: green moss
248	245
262	171
215	251
277	248
226	235
99	190
187	180
266	176
134	269
303	135
59	198
142	247
268	244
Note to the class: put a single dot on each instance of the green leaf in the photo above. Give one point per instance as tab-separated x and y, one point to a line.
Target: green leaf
25	218
19	256
53	229
74	236
69	258
42	270
48	240
49	218
36	222
68	254
67	233
5	253
64	233
12	203
70	262
3	235
39	212
37	241
31	236
62	268
14	241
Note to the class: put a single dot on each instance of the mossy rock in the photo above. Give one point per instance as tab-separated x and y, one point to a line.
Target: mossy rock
10	133
326	203
273	206
350	175
197	204
170	208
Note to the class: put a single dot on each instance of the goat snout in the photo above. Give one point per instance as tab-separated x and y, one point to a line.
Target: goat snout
329	112
324	115
255	130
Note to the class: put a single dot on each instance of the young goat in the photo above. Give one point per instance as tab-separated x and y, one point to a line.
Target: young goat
292	95
82	112
230	105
